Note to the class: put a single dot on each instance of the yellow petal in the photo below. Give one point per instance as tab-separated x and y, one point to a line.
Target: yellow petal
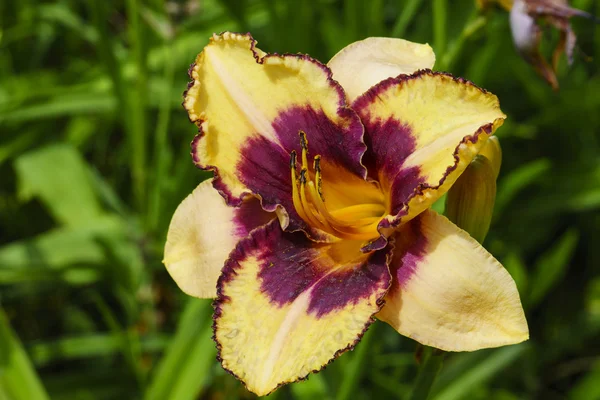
449	292
423	130
288	306
250	107
363	64
202	232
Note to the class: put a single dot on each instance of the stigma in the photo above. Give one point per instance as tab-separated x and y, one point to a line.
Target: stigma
354	222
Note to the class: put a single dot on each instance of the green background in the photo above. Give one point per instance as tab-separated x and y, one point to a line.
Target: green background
94	158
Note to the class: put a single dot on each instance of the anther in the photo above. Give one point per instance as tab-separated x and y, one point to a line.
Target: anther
317	163
293	160
304	145
303	175
303	141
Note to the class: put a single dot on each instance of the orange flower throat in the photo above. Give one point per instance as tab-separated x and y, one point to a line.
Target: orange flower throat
355	222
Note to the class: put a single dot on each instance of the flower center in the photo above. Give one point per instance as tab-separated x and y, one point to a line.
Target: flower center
354	222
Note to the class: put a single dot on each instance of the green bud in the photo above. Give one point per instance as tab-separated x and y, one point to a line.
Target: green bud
492	151
470	201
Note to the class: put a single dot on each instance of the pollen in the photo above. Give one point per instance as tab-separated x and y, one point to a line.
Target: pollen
355	222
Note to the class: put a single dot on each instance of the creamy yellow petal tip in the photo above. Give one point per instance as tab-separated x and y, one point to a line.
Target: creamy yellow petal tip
202	232
449	292
361	65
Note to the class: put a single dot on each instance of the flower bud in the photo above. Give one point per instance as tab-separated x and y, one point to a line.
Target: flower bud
470	201
493	152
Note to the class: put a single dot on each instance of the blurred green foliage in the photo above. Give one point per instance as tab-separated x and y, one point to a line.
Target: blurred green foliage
94	158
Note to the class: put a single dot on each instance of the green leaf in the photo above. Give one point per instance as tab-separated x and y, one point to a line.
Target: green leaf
551	267
479	373
78	255
430	368
588	387
18	378
411	7
516	267
62	247
81	347
315	387
183	372
517	180
354	366
66	105
60	178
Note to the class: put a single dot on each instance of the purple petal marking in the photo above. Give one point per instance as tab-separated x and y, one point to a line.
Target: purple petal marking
349	138
249	216
265	165
405	183
410	249
340	288
344	147
265	169
290	267
388	144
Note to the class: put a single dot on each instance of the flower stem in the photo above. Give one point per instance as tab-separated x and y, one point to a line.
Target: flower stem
431	366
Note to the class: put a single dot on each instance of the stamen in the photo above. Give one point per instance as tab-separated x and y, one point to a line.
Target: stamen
295	193
363	210
357	222
320	211
308	210
318	177
318	203
304	145
293	160
356	228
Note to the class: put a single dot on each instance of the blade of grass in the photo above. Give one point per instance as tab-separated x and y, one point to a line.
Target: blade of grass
18	378
130	346
95	345
588	387
315	387
183	371
355	367
375	17
428	372
481	372
137	102
160	140
551	267
473	23
352	18
406	16
517	180
440	16
131	106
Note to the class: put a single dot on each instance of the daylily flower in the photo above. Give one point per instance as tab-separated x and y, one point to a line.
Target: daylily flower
318	217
